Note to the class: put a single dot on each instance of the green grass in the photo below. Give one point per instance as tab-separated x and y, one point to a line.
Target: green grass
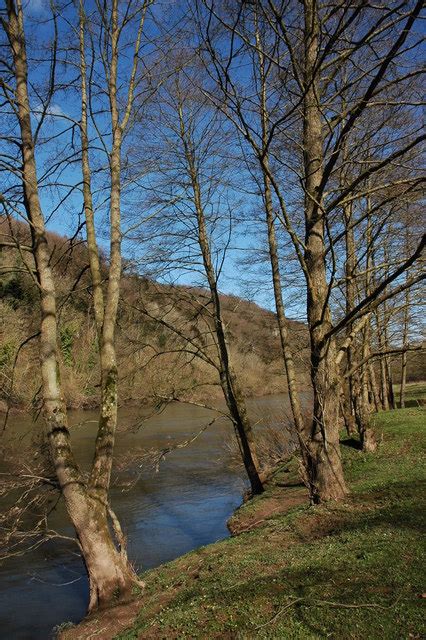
415	393
343	571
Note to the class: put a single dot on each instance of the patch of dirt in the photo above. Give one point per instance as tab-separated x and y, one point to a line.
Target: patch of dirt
280	502
331	519
105	624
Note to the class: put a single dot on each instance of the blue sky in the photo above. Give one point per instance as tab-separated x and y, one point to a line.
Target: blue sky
64	108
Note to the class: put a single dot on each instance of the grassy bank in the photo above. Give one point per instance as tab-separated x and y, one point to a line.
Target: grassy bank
415	394
349	570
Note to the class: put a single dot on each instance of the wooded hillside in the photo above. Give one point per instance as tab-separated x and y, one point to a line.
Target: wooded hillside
153	360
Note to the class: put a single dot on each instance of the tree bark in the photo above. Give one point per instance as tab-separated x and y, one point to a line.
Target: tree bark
346	410
391	395
366	433
325	466
353	379
111	577
372	382
384	391
368	372
359	399
95	267
404	357
102	462
290	369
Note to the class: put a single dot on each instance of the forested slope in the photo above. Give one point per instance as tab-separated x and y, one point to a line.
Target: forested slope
160	330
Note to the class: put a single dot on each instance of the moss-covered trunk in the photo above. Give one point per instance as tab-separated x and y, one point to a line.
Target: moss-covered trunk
111	578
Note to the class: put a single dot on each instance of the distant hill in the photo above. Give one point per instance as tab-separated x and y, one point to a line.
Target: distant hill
153	359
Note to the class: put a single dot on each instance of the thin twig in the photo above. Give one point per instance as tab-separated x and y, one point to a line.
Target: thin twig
362	605
279	612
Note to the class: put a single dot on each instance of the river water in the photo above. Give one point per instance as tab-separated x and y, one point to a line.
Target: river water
164	514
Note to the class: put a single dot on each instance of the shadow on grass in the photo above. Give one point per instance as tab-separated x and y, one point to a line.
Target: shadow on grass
350	584
412	403
374	565
351	442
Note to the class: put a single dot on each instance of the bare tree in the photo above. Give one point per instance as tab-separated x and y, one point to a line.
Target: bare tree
308	136
261	71
97	529
194	219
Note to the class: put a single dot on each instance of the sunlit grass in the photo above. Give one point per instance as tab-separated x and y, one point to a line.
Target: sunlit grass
347	570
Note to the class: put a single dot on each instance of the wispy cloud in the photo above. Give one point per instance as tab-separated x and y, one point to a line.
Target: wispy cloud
53	111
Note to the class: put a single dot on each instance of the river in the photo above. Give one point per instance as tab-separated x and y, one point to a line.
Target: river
165	514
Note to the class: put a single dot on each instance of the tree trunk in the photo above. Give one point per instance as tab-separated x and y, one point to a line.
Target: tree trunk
345	407
369	379
359	399
237	407
362	417
105	308
391	395
368	439
92	245
353	379
384	392
286	350
109	575
230	387
403	380
373	386
404	357
102	462
228	379
325	467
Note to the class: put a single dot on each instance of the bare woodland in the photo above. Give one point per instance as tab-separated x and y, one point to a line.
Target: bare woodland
282	138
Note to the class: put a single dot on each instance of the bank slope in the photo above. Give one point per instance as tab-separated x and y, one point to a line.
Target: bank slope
351	570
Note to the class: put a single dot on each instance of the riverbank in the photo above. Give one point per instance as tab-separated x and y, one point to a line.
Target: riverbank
415	396
348	570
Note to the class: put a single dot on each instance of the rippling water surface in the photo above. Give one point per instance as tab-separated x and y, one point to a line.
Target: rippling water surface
183	506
